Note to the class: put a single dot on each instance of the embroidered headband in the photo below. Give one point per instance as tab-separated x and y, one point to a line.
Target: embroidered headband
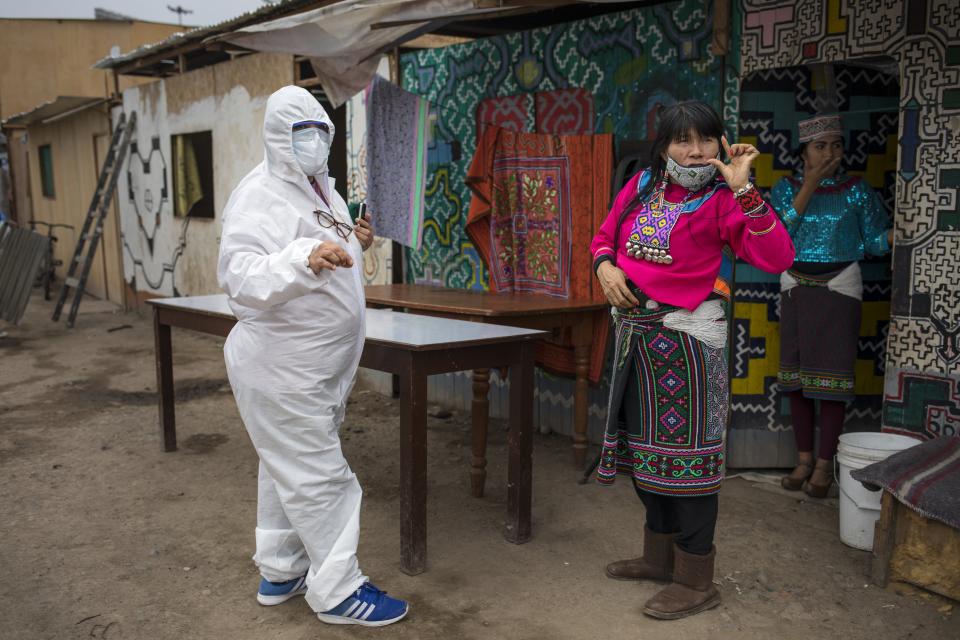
820	127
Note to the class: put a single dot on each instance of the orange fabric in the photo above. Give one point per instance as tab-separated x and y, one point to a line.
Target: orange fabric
591	172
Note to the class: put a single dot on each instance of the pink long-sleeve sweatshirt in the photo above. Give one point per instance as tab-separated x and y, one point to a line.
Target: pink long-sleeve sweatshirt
696	244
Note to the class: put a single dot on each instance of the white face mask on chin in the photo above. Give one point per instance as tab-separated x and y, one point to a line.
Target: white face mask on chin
311	148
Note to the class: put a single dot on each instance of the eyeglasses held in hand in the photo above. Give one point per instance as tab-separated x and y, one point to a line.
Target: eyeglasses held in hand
327	221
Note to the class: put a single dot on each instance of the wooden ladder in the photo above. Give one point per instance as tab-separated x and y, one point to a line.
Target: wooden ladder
85	251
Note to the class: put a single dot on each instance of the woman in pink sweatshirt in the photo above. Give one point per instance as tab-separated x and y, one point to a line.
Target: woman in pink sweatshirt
657	257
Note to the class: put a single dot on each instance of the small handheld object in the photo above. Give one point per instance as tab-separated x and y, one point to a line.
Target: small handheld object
362	212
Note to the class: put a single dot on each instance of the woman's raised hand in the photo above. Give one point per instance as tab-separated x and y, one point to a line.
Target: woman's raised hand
737	171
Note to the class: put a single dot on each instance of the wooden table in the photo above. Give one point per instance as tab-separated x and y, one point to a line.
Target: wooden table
412	348
534	311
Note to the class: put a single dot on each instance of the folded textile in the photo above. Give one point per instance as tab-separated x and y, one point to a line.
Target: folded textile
925	477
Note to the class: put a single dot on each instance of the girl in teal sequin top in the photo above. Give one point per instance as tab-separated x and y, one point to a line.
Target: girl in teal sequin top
835	220
843	221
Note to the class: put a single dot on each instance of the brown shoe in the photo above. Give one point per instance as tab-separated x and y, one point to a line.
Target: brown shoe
800	473
656	563
692	590
818	486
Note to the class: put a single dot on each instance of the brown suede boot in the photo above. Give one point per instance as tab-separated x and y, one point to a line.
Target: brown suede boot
692	590
656	563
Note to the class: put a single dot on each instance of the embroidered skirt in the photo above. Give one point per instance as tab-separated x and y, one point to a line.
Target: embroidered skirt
668	406
819	330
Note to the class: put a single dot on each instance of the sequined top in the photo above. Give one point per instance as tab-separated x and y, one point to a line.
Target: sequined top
843	220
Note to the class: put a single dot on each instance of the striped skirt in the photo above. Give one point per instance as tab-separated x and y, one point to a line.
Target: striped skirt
668	407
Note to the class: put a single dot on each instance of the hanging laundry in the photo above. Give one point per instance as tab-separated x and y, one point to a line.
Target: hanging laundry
537	201
397	139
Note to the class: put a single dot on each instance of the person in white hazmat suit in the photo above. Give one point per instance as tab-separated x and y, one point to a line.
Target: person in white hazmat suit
290	262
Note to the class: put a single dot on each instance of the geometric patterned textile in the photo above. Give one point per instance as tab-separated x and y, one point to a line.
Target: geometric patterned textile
565	112
673	445
537	201
631	63
530	225
921	39
508	112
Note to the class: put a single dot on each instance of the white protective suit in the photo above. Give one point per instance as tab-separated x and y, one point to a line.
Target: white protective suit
292	357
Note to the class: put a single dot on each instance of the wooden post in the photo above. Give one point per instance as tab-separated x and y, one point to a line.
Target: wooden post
480	419
720	41
884	539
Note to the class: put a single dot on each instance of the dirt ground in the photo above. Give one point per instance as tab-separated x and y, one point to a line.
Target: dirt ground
102	535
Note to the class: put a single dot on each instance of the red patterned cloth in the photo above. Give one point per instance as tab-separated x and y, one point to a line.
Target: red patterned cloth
510	112
530	225
537	202
565	112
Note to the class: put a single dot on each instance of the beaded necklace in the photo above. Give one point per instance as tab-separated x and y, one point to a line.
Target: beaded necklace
650	237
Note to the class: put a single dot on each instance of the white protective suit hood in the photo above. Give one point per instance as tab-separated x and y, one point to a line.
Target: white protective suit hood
285	108
292	358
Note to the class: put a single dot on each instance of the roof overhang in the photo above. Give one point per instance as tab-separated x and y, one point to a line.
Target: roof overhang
51	111
474	18
165	57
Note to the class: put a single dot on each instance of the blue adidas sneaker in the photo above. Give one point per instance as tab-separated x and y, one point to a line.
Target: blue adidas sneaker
271	593
368	606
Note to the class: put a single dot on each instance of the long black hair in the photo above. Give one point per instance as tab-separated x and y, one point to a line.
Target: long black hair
675	124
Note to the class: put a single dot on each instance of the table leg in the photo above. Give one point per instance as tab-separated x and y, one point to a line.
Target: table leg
164	355
413	467
480	418
520	472
581	357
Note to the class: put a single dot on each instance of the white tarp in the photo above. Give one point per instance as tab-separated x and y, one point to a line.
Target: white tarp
343	48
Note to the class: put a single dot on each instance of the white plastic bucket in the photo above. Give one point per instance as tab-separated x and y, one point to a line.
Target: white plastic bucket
860	508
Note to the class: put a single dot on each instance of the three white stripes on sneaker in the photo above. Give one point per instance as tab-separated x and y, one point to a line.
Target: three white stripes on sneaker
360	610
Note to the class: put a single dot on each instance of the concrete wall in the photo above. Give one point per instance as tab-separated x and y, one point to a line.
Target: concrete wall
78	145
164	255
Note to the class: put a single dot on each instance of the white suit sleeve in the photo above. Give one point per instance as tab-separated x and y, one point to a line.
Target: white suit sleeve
258	278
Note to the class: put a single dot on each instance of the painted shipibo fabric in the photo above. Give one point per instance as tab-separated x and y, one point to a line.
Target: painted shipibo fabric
631	63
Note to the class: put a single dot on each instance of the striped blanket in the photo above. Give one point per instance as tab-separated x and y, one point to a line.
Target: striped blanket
926	478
